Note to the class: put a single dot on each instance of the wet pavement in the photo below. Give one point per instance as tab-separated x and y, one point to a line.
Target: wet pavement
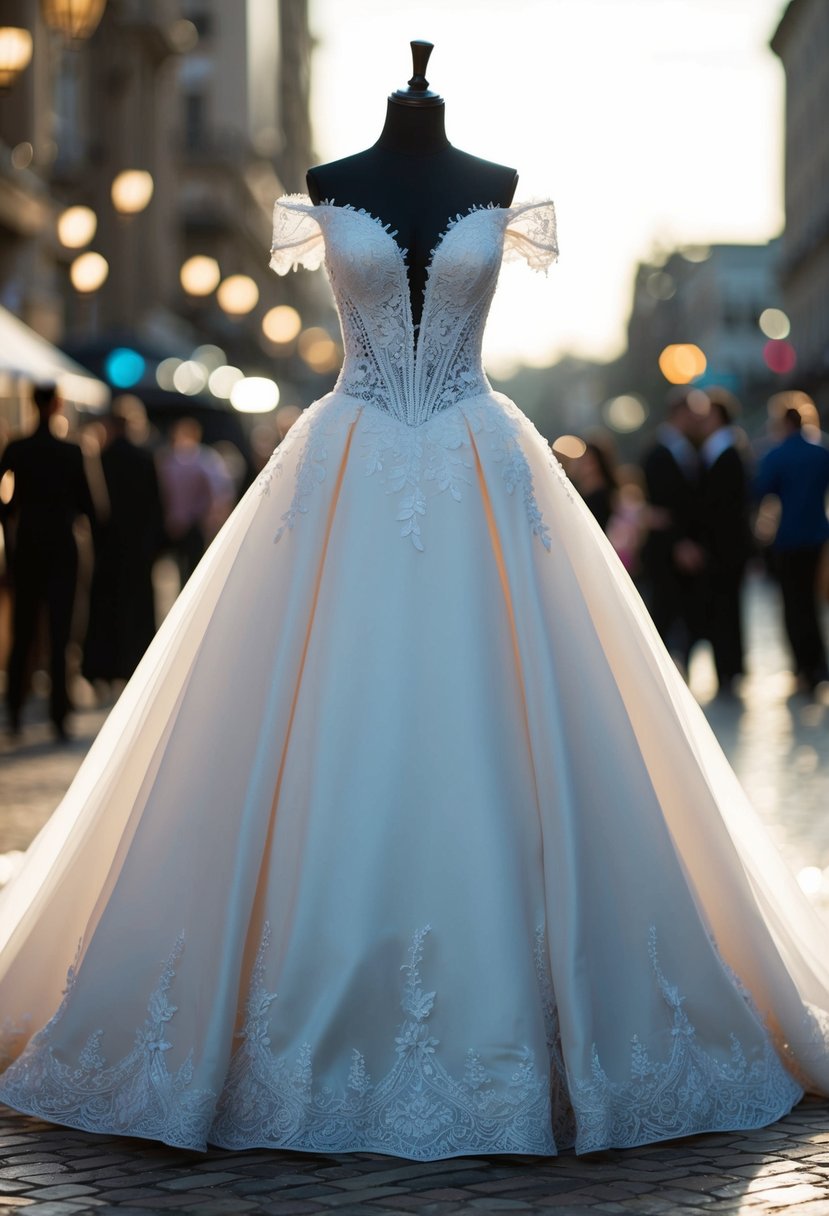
778	742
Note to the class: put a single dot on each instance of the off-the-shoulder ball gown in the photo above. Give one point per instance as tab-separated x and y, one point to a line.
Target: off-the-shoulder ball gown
406	836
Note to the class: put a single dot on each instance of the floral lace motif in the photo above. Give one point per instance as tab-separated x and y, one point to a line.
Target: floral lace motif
138	1096
417	1109
689	1092
415	464
411	372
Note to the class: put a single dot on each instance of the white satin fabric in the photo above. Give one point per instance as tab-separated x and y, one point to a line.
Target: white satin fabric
406	836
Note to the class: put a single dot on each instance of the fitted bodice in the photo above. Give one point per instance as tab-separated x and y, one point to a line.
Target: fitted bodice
411	371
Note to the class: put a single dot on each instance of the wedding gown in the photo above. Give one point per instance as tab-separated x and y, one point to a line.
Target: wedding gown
406	836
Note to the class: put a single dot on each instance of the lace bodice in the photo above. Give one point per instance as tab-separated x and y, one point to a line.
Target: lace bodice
412	372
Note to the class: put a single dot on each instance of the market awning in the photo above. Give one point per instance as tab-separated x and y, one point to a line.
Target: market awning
24	354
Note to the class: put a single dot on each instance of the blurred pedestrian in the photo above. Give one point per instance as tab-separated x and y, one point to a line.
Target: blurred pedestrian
127	538
796	471
186	479
672	557
595	479
725	533
50	491
625	529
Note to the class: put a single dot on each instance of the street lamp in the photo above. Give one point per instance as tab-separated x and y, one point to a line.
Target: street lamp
132	190
75	19
15	54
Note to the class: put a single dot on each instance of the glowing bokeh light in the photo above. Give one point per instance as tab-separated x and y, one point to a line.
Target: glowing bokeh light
76	20
255	395
132	190
318	350
124	367
780	357
15	53
682	362
238	295
281	324
77	227
165	373
88	272
222	380
625	413
200	275
210	356
190	377
774	323
570	446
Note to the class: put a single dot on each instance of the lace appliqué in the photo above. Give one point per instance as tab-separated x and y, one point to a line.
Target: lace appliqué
138	1096
408	460
691	1091
276	462
417	1110
415	464
411	372
502	425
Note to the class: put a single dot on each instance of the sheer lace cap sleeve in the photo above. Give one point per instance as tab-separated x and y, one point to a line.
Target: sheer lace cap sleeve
297	236
531	235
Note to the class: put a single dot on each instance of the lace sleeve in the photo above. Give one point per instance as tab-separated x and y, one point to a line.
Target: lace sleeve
531	235
297	237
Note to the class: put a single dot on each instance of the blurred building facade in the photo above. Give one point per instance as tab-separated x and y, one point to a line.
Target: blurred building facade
802	43
209	103
712	298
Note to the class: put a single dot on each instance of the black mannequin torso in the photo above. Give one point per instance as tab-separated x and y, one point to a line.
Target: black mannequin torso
413	180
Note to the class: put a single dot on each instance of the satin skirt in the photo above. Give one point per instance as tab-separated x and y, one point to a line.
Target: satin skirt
407	837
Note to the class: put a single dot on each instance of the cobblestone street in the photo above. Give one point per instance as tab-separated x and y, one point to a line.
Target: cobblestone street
777	741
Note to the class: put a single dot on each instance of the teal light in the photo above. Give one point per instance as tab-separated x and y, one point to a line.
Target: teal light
124	367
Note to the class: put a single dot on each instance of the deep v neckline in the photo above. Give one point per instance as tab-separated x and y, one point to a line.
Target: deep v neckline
415	331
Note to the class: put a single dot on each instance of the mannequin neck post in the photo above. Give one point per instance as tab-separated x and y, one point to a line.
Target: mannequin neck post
412	129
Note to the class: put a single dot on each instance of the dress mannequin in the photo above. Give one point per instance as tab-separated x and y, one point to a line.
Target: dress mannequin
412	178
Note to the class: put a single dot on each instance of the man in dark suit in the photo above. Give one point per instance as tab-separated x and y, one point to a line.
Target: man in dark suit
797	472
672	558
726	538
127	541
50	491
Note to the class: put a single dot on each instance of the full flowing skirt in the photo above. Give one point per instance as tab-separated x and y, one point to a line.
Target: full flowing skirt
406	836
